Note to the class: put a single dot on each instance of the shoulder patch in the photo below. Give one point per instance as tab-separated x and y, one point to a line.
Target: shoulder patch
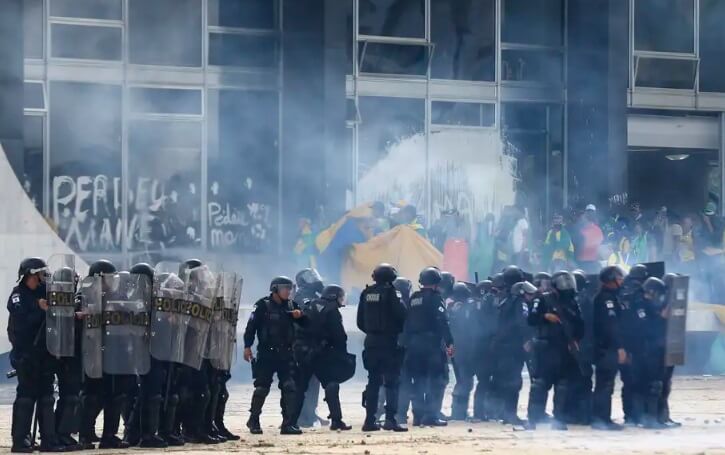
610	304
441	309
15	298
641	313
400	296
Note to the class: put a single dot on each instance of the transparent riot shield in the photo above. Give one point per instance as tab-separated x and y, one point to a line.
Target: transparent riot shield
677	320
200	292
126	305
60	317
223	333
169	321
90	293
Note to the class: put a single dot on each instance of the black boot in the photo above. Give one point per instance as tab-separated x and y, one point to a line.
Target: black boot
219	417
21	425
46	426
332	397
255	409
459	409
289	413
168	423
111	421
132	427
67	422
151	420
392	425
371	423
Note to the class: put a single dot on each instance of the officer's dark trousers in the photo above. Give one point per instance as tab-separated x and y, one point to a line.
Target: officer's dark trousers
427	363
465	369
383	365
553	367
404	397
108	394
271	361
171	389
605	373
507	381
628	386
664	407
224	377
311	365
483	395
649	374
67	412
579	403
145	415
35	388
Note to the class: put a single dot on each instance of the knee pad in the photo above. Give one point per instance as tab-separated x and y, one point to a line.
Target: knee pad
332	388
261	391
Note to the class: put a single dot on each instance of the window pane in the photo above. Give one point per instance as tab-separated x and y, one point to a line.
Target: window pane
165	101
243	171
465	37
85	42
712	46
164	184
33	158
664	73
85	165
401	18
91	9
243	13
532	66
664	25
165	32
391	137
533	22
230	49
394	59
463	114
33	97
33	21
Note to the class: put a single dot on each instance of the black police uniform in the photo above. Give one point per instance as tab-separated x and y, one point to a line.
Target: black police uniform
608	339
464	324
308	415
381	316
274	327
319	346
487	320
508	356
579	404
34	367
554	364
648	363
427	331
629	296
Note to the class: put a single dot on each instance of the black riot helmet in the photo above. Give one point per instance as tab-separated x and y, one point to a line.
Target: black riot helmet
523	288
611	274
668	278
309	279
430	276
498	284
638	272
512	275
384	273
460	292
31	266
333	292
64	275
655	291
143	268
581	279
447	282
404	286
484	287
279	283
542	281
102	267
564	284
187	265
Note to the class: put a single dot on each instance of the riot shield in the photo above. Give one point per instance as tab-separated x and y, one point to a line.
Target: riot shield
655	269
126	304
60	317
91	295
200	292
168	321
677	321
223	332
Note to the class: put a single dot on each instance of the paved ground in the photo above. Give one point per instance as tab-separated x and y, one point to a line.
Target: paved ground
698	402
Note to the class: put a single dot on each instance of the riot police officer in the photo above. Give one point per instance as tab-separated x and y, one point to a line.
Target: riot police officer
512	333
26	329
608	346
648	356
446	286
579	403
542	281
321	350
669	280
381	316
309	287
486	316
405	288
629	295
465	327
427	332
557	319
273	324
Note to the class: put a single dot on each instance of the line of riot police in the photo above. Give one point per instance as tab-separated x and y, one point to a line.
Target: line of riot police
151	346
